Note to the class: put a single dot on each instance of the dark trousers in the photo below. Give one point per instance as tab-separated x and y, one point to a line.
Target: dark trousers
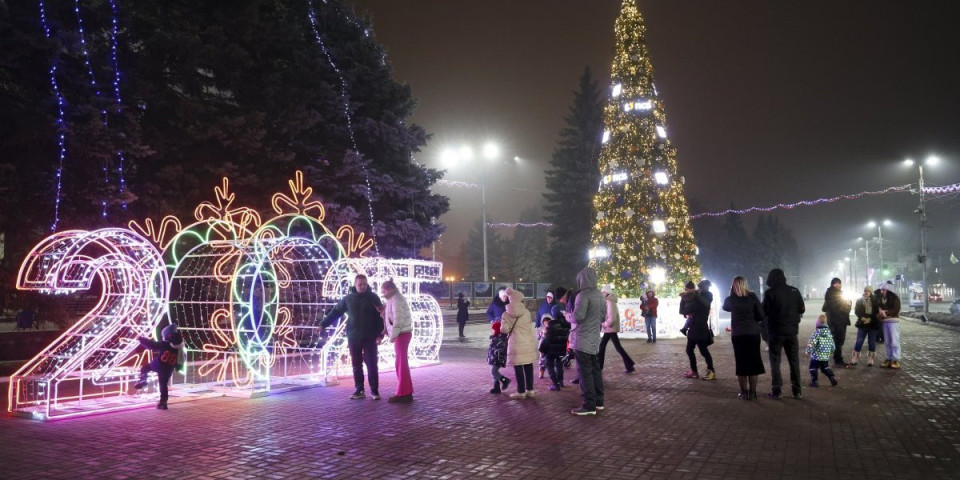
524	375
790	345
163	379
554	364
839	333
591	380
607	337
460	327
821	365
702	346
364	350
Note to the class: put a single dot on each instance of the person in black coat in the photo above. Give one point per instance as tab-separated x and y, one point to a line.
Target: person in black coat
364	330
695	305
746	319
783	306
554	347
837	309
462	313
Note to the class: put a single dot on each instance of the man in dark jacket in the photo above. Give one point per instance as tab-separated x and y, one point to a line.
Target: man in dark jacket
837	309
364	330
783	306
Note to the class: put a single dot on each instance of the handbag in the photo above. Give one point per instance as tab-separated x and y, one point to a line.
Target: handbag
710	338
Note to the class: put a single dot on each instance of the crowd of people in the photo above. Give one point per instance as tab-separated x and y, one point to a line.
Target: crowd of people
579	323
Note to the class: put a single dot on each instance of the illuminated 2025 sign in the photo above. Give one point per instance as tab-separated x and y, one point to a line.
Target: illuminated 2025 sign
248	295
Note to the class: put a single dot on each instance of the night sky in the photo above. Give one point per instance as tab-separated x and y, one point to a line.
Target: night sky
767	102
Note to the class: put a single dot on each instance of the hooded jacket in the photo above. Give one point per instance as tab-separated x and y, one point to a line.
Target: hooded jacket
589	312
861	311
611	323
836	307
545	309
782	305
821	346
363	319
554	341
397	318
517	324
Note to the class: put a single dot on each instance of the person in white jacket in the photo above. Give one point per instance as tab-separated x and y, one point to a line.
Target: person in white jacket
521	344
610	328
398	326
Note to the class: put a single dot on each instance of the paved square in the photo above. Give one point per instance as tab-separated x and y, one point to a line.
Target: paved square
877	423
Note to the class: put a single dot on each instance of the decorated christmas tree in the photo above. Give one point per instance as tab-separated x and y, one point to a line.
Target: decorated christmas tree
642	237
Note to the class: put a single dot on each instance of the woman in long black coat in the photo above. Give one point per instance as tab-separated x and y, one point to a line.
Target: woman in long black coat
746	319
462	314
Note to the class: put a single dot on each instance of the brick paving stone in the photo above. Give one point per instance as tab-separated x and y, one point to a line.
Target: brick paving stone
878	422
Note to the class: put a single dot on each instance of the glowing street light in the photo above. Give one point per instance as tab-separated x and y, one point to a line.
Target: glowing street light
922	210
886	223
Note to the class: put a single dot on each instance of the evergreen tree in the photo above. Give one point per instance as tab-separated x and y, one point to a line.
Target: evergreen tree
210	89
642	234
571	180
530	256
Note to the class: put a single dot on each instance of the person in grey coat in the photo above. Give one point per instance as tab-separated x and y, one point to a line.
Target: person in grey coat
586	319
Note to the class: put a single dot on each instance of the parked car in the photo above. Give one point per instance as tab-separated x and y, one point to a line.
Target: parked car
955	307
936	297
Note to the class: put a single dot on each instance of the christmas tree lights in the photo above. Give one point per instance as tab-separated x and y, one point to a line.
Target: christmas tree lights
642	236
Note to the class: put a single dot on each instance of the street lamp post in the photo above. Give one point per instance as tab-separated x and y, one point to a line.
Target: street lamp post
922	210
490	152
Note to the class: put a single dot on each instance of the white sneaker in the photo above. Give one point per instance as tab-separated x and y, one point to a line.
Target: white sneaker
530	394
518	396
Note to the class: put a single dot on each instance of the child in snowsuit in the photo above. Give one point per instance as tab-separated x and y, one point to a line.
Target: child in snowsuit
165	355
820	348
497	358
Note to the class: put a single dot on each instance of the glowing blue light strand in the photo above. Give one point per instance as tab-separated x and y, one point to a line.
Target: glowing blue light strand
311	13
114	28
61	123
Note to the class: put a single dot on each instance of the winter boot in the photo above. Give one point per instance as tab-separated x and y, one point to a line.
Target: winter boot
870	358
833	381
504	383
496	387
855	358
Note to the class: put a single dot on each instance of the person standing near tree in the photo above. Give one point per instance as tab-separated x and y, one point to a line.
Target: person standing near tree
398	326
889	315
649	310
586	319
610	328
695	305
462	313
364	331
746	318
837	309
783	306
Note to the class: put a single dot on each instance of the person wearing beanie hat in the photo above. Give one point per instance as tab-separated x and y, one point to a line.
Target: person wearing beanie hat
497	358
610	328
164	362
837	309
